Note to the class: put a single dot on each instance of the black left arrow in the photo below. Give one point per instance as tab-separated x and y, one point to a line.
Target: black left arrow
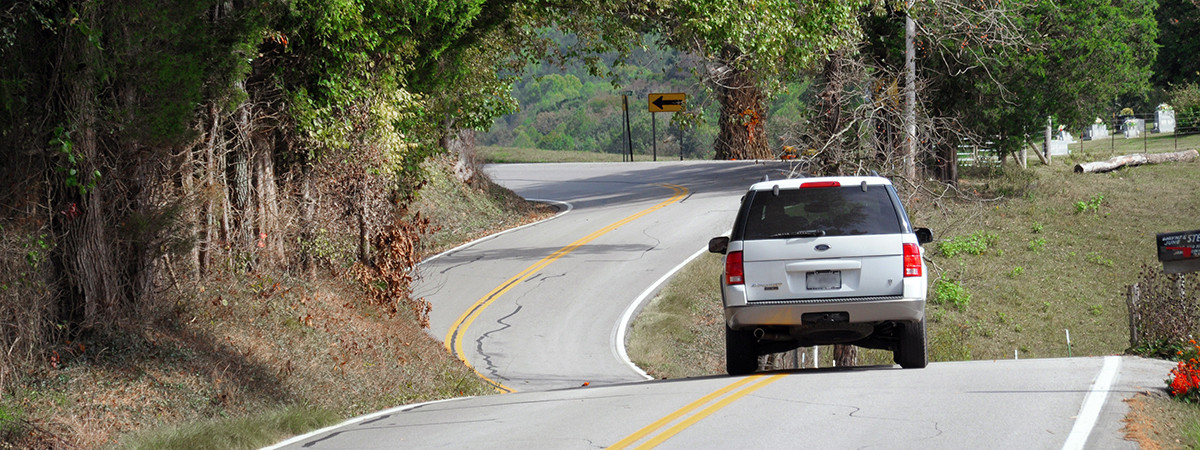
660	102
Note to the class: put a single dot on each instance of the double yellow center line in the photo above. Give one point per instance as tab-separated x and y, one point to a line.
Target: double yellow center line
454	336
735	391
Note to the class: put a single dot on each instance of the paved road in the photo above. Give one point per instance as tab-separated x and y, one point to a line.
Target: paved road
1022	404
537	311
539	308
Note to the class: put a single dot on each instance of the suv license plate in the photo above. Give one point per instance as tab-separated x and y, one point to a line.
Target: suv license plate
824	280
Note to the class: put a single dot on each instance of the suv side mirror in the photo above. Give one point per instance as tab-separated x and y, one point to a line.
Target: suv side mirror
924	236
718	244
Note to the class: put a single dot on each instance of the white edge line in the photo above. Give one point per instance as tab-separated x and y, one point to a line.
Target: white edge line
619	332
353	421
1092	404
567	208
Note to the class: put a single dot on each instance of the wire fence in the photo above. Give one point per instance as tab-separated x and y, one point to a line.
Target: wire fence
1137	133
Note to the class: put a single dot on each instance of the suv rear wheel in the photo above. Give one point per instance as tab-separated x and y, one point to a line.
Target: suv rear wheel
912	352
741	352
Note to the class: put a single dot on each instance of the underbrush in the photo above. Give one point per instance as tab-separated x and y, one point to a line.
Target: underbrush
245	359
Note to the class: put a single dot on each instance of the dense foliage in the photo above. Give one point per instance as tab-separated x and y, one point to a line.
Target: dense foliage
149	144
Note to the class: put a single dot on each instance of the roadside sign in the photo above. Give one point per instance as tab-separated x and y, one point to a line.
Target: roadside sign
1179	251
672	102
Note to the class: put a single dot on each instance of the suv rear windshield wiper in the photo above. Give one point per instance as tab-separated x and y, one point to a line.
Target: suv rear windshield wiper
801	233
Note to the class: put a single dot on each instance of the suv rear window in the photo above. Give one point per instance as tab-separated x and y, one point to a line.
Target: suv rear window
821	211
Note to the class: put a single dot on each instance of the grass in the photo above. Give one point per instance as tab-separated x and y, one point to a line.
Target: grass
1117	144
242	432
1156	421
1037	252
534	155
463	212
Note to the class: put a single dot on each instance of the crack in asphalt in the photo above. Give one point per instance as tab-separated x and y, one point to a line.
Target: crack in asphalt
449	268
854	414
540	278
487	359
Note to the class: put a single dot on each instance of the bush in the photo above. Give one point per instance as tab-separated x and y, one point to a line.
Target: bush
1184	382
1165	311
974	244
952	293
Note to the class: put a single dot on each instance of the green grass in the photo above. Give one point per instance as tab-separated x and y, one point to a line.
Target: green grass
244	432
533	155
1118	145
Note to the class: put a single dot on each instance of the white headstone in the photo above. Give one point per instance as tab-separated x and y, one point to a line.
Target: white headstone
1097	131
1134	128
1166	120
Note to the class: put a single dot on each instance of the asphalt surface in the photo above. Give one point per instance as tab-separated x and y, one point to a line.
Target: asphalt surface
539	311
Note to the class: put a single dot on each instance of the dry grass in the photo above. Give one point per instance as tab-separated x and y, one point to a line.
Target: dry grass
1157	422
463	212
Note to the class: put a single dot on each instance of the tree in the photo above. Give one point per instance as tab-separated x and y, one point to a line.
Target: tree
1069	59
1178	42
749	48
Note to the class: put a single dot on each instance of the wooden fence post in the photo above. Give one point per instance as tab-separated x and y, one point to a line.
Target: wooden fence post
1131	301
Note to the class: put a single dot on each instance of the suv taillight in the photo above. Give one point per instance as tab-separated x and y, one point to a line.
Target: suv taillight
912	260
733	269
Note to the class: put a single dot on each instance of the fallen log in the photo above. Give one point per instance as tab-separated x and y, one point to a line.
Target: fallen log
1135	160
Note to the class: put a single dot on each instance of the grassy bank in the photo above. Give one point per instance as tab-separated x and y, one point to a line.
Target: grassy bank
1020	257
534	155
252	358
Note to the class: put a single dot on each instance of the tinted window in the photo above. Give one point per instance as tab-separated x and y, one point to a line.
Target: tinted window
810	212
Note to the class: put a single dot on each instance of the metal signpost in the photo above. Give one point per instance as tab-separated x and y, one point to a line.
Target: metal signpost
1179	251
658	102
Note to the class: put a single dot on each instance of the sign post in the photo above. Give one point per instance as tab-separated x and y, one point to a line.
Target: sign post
659	102
1179	251
628	136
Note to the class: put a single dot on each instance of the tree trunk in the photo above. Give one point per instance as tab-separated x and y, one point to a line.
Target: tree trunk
742	133
462	143
91	271
308	210
831	150
1135	160
908	157
845	355
206	219
266	205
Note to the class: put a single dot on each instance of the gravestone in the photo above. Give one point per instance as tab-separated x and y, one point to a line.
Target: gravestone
1096	131
1059	144
1166	120
1133	128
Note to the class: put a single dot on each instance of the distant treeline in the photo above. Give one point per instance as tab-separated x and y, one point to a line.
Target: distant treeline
568	108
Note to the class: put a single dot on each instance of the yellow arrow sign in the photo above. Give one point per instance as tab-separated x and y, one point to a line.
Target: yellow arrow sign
667	102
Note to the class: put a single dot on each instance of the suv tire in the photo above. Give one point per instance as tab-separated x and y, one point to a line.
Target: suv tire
912	351
741	352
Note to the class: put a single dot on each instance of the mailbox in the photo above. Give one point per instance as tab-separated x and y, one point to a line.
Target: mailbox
1179	251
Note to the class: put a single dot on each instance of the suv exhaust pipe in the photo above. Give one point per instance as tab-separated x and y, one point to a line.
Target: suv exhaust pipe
763	335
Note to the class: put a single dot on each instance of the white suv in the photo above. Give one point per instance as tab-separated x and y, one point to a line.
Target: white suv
819	261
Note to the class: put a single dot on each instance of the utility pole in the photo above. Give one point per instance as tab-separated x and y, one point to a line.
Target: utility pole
910	95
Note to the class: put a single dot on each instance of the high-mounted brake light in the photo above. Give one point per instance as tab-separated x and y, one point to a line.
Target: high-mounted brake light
912	260
734	274
820	184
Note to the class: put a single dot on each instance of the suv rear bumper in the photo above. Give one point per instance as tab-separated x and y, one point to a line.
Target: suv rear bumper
899	310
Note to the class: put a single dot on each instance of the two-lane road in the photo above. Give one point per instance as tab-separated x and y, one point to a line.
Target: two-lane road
539	310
